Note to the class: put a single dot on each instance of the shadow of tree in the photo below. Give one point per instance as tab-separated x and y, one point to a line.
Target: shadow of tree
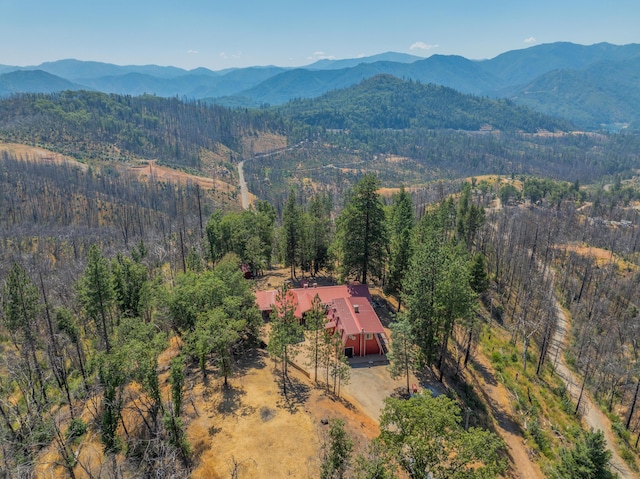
230	402
251	359
294	395
502	417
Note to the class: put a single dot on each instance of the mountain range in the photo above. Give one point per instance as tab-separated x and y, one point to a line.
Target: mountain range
593	86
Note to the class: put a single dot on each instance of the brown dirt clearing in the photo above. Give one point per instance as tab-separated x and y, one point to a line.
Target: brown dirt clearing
27	152
152	170
254	426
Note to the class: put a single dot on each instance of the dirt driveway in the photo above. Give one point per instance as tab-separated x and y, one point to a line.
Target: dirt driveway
370	386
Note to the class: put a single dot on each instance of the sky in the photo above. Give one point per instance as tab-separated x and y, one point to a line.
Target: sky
239	33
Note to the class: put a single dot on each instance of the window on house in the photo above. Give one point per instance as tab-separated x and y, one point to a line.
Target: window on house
368	336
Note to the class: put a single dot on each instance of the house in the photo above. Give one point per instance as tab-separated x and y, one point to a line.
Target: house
349	313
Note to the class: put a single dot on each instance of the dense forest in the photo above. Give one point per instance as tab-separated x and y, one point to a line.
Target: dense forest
386	102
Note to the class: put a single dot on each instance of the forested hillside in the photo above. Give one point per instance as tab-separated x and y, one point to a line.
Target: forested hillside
602	96
550	78
386	102
407	132
112	127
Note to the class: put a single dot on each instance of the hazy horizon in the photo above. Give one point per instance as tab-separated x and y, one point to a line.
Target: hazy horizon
290	34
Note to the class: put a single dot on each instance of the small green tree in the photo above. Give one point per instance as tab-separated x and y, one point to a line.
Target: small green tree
96	293
424	437
404	352
21	306
400	247
340	370
176	379
285	331
130	286
507	192
214	237
316	320
372	463
216	333
337	454
588	459
479	280
291	223
112	377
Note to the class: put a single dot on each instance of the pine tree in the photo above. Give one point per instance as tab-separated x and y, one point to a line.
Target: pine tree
291	222
337	454
315	323
362	234
285	331
404	353
96	292
21	305
401	221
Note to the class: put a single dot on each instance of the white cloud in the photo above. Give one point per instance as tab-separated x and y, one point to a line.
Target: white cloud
530	40
321	56
422	46
223	55
192	52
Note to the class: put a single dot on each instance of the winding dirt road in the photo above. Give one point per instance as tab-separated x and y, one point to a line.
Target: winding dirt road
591	413
244	191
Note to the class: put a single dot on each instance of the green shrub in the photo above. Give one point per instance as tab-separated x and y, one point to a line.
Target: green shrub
628	456
539	436
498	361
620	431
77	428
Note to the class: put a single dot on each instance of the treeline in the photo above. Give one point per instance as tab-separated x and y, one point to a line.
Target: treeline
95	125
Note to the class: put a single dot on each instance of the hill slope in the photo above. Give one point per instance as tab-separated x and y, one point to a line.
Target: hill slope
602	94
508	75
89	124
385	102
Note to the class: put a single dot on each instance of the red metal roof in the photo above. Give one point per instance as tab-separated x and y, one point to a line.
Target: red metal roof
366	320
304	296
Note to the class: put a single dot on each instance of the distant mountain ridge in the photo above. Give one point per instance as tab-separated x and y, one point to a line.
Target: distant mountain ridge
35	81
603	79
330	64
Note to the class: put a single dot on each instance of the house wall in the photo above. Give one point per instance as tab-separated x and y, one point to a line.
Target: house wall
353	343
372	346
359	348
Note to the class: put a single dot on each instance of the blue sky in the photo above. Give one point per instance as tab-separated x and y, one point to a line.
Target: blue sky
238	33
